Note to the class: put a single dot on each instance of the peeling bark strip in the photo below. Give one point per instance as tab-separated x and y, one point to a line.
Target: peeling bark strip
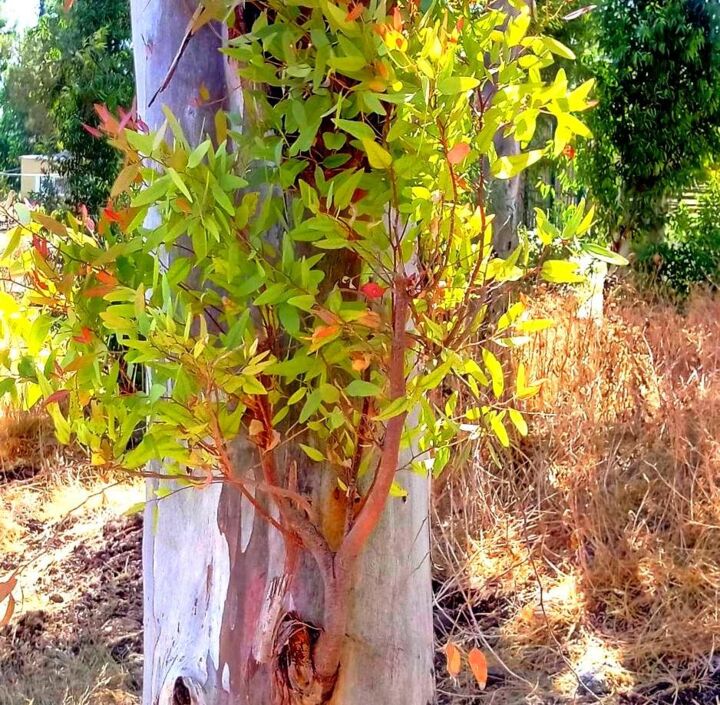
233	614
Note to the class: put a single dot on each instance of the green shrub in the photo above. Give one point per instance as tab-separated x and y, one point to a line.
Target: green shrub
690	253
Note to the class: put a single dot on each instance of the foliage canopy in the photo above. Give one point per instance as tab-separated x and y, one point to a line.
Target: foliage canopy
70	61
657	123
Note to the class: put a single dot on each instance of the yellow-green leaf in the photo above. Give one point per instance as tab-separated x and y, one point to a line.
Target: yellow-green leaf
558	48
378	156
507	167
558	271
495	370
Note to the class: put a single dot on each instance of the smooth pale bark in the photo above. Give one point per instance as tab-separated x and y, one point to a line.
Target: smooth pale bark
208	559
506	195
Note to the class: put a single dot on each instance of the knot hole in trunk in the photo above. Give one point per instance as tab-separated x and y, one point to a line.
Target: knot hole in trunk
182	694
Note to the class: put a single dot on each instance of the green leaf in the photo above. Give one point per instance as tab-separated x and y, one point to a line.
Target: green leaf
457	84
22	212
359	130
312	404
304	302
558	48
312	453
180	184
496	424
507	167
361	388
296	396
154	192
378	156
394	408
495	370
604	254
518	421
534	325
397	490
13	242
198	154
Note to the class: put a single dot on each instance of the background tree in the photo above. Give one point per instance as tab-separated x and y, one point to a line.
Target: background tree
657	123
14	138
64	66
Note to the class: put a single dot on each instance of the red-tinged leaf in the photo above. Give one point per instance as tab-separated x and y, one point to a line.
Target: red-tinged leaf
85	337
128	118
92	131
97	292
102	112
569	151
360	361
80	363
40	245
9	611
7	587
326	316
38	282
452	659
57	397
397	19
112	215
358	195
479	667
458	153
68	5
373	290
183	205
460	24
106	278
107	121
370	319
355	12
322	332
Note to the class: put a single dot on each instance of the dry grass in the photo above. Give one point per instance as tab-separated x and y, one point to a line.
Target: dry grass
595	548
88	677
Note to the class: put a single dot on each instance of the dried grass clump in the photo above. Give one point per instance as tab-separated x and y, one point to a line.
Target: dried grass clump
27	442
601	530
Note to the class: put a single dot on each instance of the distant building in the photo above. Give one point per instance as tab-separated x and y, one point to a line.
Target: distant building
36	174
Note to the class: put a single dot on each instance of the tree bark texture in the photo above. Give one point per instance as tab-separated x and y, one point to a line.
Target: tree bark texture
211	563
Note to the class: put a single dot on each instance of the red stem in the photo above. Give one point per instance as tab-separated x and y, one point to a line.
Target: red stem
328	648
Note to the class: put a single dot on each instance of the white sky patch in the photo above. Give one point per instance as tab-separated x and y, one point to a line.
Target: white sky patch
19	13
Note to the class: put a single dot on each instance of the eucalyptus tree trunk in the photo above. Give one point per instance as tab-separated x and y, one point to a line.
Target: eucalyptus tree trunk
210	563
506	195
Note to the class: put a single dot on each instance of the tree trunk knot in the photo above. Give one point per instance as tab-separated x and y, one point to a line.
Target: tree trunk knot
294	679
181	693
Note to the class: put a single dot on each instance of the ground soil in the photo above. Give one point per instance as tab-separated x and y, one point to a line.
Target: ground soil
76	636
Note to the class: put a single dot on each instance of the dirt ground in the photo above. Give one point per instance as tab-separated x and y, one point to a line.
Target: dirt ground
76	636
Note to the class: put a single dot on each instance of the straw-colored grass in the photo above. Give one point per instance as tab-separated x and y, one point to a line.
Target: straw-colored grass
594	551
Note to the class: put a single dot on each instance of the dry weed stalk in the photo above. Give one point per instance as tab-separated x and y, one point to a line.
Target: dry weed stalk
613	500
